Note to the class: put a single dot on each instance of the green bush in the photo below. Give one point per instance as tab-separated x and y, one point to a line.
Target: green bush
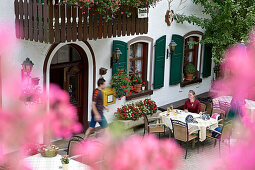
190	69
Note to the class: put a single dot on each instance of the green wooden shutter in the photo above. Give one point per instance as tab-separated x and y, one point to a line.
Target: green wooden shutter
159	67
122	63
176	60
207	63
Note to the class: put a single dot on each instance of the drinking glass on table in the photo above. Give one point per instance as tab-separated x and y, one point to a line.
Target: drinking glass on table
168	110
171	107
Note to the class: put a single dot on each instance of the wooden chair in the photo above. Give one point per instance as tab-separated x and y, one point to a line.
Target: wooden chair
181	133
203	107
74	140
209	108
225	106
224	135
218	110
153	128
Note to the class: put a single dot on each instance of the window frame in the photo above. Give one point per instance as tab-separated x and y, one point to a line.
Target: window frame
199	61
144	60
148	63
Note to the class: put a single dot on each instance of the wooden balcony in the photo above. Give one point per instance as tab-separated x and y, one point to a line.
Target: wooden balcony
45	21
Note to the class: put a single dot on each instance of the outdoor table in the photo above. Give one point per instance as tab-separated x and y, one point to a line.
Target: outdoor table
37	162
202	125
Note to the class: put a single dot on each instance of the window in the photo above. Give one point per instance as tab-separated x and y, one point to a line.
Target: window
192	54
191	51
137	59
66	54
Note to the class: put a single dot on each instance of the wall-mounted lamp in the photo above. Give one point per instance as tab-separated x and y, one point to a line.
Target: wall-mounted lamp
116	56
27	66
171	46
102	71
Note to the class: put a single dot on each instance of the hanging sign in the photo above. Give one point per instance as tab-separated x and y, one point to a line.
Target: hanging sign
142	12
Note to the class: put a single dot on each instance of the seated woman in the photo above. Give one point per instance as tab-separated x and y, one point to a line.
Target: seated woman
192	104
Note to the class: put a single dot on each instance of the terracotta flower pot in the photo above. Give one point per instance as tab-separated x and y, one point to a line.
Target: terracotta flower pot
188	76
138	88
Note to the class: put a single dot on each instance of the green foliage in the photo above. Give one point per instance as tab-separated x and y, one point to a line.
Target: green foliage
121	83
230	21
137	79
103	7
65	159
190	69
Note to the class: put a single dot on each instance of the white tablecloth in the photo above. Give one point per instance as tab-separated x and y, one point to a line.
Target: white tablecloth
202	125
37	162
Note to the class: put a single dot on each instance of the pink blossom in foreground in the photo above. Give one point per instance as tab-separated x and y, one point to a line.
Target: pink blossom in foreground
132	153
239	82
62	118
7	39
238	70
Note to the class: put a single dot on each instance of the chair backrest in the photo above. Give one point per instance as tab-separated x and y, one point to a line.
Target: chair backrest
209	108
224	106
217	110
180	130
226	131
146	122
203	107
75	140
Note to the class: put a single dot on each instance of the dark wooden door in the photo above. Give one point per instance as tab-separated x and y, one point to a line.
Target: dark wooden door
74	84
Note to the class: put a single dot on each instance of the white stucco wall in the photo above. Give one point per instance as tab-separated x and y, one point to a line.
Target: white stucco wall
102	49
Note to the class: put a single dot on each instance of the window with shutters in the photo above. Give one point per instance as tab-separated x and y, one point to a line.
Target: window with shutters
137	62
192	54
191	50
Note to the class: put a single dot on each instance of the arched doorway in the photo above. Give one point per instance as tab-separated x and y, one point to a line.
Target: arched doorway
69	70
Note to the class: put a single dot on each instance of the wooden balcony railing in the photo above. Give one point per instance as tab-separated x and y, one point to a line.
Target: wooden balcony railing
45	21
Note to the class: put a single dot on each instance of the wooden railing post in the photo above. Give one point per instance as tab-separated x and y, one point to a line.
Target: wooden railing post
30	15
35	11
26	34
21	21
46	20
74	24
51	32
16	5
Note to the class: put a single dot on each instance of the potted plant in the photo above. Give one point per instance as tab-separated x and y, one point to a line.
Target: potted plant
189	71
65	162
137	81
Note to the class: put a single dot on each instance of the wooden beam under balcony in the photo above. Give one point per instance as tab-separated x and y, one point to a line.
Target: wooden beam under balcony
46	21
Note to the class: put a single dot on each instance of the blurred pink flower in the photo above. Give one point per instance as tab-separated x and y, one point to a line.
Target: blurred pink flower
7	39
132	153
239	82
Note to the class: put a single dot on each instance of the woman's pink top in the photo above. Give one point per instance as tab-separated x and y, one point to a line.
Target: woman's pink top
194	107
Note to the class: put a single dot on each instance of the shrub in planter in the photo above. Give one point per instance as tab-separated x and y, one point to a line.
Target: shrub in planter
143	108
134	111
128	112
151	105
189	71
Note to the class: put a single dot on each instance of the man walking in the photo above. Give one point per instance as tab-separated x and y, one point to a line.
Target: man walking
97	108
